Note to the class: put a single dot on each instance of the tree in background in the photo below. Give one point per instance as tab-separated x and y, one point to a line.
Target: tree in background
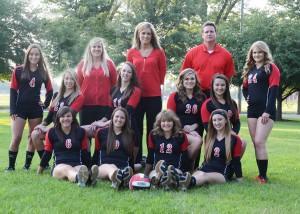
17	32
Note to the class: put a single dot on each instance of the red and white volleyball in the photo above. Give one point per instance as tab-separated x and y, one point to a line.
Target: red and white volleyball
139	181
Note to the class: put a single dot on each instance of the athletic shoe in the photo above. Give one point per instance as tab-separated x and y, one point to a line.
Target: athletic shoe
9	169
174	176
47	167
27	168
160	169
143	161
263	180
117	179
257	178
165	180
127	174
184	181
82	175
93	175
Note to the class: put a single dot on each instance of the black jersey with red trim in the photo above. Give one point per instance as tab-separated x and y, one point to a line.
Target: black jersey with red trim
261	89
217	162
129	103
170	150
208	107
119	157
64	101
189	113
26	92
69	151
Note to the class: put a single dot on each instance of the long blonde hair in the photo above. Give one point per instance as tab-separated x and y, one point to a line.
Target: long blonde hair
88	58
268	59
42	64
62	88
212	134
136	43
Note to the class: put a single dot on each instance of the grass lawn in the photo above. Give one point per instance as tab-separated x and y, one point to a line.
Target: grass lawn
27	192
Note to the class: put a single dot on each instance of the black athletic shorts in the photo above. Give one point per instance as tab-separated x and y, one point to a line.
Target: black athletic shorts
254	112
29	112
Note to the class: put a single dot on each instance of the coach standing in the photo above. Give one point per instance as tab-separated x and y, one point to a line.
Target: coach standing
209	58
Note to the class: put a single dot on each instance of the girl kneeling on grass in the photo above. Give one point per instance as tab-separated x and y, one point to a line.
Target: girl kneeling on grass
115	150
168	152
222	153
68	142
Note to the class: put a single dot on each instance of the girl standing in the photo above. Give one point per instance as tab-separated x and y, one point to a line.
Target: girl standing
25	101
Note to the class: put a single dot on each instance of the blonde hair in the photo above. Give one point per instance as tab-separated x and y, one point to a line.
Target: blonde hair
197	93
167	115
268	59
88	58
212	134
62	88
42	64
136	43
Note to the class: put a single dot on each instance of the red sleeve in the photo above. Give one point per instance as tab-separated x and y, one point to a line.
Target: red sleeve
150	143
237	149
97	142
275	76
84	140
48	145
187	63
14	83
162	67
48	85
113	74
134	97
77	103
205	114
129	56
171	102
245	84
80	73
185	144
229	70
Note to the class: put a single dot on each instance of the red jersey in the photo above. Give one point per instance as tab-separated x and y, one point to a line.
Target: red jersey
208	64
151	70
95	88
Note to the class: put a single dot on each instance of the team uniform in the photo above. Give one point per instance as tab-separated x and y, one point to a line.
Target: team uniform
119	157
218	164
95	89
261	91
25	94
189	113
173	150
208	107
71	151
151	72
208	64
75	105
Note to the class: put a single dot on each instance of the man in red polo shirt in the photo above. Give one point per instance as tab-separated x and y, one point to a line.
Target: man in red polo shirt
209	58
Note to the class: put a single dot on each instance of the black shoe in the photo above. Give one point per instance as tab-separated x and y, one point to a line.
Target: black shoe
184	181
127	174
117	179
83	175
94	174
160	169
143	161
174	176
9	169
27	168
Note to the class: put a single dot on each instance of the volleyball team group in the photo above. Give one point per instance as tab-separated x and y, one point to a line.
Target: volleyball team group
112	105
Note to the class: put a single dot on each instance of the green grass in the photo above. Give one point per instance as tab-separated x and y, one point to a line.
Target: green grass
27	192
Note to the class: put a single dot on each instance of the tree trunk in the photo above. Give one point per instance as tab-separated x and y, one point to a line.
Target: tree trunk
279	106
298	109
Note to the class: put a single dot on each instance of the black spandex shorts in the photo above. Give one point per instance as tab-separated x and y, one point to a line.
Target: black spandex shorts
31	112
253	112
